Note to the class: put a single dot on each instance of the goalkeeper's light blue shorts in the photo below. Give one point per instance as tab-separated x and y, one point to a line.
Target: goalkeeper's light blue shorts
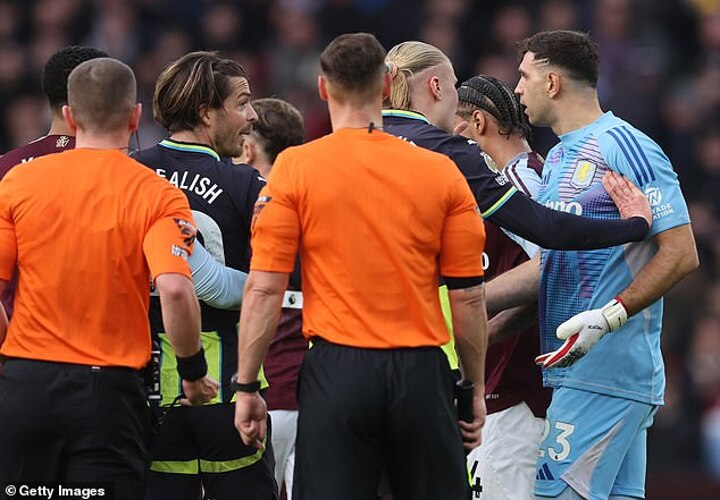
594	443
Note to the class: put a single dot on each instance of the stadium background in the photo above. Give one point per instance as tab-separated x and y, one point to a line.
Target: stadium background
660	70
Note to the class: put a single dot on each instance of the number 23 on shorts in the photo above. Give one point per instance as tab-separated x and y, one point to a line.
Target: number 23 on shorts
559	449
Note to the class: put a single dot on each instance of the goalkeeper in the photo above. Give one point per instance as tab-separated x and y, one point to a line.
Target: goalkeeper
604	362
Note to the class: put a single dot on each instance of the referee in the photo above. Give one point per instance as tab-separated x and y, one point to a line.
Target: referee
376	219
87	228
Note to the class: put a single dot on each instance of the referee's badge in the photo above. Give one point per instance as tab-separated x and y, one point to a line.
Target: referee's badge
583	175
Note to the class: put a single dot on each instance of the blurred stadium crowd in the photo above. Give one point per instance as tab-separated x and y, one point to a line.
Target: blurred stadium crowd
660	71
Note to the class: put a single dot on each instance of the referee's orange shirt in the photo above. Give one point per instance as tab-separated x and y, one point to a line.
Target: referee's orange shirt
376	220
87	228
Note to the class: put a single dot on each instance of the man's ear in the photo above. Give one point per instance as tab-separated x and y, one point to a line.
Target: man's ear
435	90
387	85
249	151
552	84
205	115
135	117
322	88
69	118
479	121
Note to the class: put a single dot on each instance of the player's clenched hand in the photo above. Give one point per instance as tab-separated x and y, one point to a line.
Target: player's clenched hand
630	201
582	331
200	391
251	418
471	432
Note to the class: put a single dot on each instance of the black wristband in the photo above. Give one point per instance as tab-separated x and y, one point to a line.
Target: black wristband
193	367
458	283
236	386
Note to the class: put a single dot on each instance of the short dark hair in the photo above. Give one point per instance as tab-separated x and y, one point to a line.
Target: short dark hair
102	94
279	125
55	73
354	61
497	98
573	51
196	80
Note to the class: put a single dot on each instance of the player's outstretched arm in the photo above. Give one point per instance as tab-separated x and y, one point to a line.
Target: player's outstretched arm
216	284
675	258
516	287
558	230
470	328
511	322
259	318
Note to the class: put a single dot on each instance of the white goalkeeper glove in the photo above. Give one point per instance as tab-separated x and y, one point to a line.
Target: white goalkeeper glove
582	331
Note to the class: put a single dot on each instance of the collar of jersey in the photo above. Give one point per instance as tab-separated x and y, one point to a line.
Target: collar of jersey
192	148
404	113
569	138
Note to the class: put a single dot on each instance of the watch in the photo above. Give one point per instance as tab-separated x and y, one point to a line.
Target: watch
251	387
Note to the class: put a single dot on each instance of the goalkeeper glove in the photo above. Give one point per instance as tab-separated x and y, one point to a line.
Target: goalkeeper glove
582	331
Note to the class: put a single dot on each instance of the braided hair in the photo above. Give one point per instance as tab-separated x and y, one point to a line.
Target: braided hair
497	98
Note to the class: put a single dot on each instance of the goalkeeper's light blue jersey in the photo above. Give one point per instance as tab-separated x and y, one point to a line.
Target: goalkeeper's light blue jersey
626	363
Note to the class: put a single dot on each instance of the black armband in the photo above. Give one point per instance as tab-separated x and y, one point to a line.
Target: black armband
459	283
193	367
553	229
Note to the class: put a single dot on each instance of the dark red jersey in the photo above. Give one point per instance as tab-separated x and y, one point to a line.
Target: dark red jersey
286	352
39	147
283	360
511	375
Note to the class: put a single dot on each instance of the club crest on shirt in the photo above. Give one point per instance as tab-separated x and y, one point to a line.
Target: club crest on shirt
583	175
62	142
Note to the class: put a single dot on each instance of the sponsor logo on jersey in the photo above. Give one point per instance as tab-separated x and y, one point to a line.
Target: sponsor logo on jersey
572	207
659	209
654	196
583	175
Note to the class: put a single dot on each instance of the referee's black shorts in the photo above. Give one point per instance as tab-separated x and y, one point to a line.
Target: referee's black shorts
62	423
365	411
